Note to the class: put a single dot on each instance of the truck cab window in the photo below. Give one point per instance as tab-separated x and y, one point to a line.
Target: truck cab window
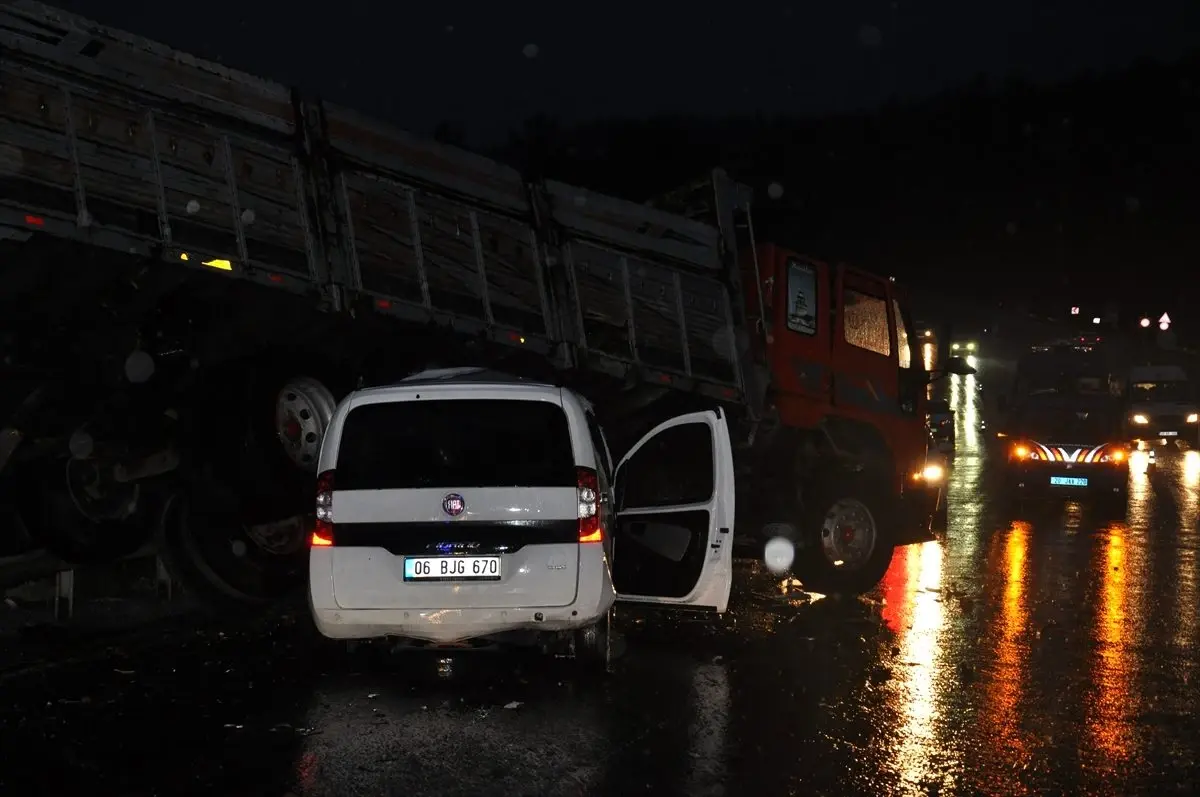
801	298
865	322
903	339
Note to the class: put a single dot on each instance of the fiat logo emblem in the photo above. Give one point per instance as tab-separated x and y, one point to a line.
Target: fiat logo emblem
453	505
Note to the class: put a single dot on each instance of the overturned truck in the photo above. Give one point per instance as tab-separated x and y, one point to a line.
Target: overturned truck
197	264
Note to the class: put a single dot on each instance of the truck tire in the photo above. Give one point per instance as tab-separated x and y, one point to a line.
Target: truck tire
256	405
54	520
203	542
847	531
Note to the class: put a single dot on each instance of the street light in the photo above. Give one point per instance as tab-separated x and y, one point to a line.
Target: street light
1145	322
1164	325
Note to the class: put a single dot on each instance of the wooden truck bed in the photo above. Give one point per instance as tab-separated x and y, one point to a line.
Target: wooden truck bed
123	143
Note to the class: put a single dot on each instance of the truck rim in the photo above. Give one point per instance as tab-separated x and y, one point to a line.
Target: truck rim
303	409
848	534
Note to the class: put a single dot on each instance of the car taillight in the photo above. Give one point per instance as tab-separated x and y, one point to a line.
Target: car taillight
591	529
322	534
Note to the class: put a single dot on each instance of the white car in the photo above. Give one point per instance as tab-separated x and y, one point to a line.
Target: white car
464	505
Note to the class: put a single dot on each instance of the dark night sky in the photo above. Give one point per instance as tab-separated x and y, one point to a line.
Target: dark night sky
418	63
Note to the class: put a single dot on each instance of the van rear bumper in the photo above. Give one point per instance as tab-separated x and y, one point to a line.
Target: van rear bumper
593	597
448	626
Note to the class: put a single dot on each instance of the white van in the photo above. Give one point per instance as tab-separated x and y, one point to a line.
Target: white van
463	504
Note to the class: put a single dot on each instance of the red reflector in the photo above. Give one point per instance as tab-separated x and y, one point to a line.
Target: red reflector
382	304
34	221
591	525
276	278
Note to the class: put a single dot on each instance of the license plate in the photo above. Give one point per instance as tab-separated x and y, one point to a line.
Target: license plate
1169	434
1068	481
452	568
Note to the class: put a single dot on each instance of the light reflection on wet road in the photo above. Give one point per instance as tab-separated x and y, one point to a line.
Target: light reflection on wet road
1039	649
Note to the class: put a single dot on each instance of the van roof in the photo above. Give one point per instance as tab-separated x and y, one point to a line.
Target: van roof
471	376
466	375
459	378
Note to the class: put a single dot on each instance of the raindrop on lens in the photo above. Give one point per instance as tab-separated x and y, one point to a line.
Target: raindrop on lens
779	554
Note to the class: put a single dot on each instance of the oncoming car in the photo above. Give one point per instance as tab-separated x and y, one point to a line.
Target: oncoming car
1068	445
465	507
964	348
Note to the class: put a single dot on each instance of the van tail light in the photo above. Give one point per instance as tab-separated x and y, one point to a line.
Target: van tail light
322	533
590	527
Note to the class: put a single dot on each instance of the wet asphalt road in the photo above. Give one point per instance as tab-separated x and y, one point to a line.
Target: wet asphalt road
1045	650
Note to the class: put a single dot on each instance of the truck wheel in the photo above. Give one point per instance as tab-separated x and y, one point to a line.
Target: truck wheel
263	421
68	521
206	546
303	409
847	541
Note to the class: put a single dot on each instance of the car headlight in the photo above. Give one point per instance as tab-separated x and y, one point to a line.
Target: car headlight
954	346
970	347
1140	420
1193	418
933	474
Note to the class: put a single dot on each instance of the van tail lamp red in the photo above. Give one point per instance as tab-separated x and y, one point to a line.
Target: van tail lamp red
322	533
591	529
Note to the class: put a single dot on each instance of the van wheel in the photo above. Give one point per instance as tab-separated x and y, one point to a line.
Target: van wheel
848	538
593	645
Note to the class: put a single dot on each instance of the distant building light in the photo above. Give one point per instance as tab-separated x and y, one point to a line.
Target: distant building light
1096	320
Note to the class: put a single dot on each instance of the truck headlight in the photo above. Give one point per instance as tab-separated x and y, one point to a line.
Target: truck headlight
932	474
1193	418
1140	420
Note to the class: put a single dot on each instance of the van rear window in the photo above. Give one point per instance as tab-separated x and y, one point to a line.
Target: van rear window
455	443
